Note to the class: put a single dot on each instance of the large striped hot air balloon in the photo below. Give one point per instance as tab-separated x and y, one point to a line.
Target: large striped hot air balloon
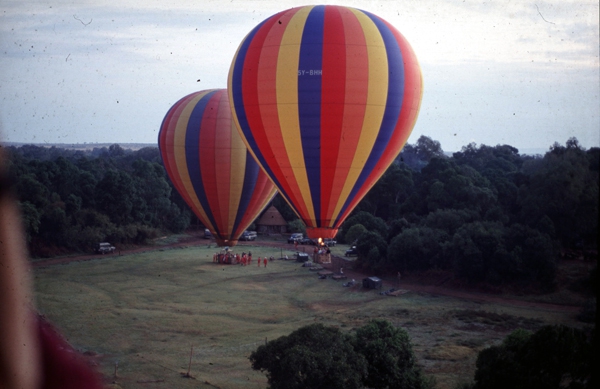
325	97
210	166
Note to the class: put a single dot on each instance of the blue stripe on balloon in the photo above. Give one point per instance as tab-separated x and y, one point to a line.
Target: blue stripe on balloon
250	177
192	155
392	108
309	101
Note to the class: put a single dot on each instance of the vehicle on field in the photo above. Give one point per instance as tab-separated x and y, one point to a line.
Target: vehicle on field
351	252
330	242
105	248
306	241
296	236
248	235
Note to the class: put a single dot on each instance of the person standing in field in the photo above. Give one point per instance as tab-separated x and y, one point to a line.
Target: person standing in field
265	261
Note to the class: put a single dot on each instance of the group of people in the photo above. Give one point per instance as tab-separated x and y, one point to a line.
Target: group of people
228	257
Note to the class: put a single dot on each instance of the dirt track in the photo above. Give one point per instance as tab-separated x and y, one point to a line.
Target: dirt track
406	283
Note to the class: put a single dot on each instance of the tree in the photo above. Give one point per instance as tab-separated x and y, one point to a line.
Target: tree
390	191
417	156
368	221
372	250
563	186
312	357
115	196
419	248
296	225
378	356
391	361
284	208
354	233
552	357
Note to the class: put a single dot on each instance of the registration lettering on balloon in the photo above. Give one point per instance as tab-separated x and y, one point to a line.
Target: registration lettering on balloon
310	72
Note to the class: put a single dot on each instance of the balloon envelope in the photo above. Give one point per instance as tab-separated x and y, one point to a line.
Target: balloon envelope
325	97
210	166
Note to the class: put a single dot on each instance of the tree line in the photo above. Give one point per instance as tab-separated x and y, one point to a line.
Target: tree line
72	199
486	213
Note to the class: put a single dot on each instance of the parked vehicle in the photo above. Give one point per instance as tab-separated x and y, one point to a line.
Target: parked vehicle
330	242
372	283
105	248
351	252
248	235
296	236
207	234
306	241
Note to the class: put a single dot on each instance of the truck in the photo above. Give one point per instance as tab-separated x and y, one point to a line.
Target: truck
105	248
296	236
248	235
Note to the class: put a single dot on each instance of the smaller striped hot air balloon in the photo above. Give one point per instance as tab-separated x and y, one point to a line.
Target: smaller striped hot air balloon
325	97
210	166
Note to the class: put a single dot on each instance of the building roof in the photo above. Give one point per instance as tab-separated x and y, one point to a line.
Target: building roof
271	217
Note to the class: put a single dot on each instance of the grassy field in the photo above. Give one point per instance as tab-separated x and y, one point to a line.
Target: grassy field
144	312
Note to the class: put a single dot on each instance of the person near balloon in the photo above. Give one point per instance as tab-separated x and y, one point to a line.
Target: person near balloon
259	261
265	261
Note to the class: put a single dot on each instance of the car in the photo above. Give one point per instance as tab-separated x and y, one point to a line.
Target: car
306	241
296	236
248	235
105	248
351	252
330	242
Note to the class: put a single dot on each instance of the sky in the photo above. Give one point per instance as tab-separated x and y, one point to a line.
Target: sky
523	73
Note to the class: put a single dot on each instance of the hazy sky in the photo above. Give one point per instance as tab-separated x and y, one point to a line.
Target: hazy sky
524	73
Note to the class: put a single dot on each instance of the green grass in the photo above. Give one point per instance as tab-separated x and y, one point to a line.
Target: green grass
145	311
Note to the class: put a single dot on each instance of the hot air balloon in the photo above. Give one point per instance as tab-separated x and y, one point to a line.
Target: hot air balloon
210	166
325	97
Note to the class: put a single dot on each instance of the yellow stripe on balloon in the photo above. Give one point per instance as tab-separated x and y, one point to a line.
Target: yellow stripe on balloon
179	143
375	105
287	104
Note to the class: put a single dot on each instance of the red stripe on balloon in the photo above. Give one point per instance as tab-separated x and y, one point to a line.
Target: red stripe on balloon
332	106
